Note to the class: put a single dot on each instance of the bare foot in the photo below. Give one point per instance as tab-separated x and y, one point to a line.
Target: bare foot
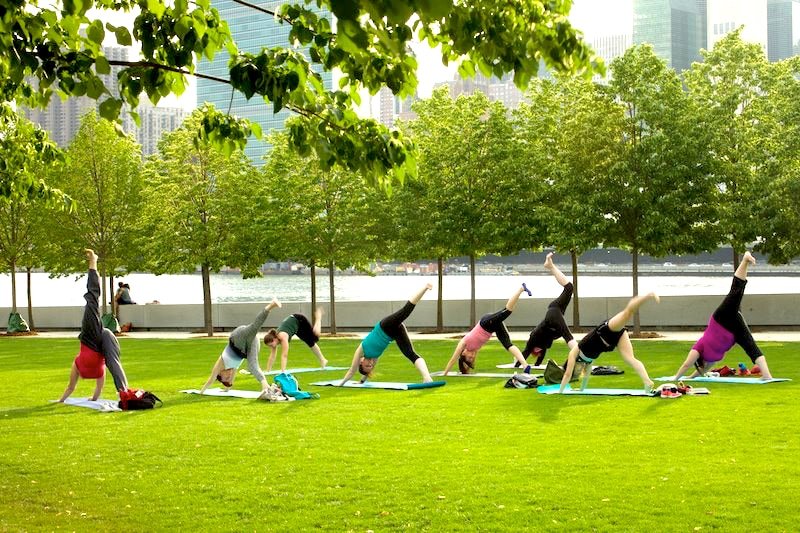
428	286
654	296
749	258
91	257
548	261
323	363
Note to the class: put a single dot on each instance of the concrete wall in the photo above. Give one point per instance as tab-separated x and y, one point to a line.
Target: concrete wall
760	310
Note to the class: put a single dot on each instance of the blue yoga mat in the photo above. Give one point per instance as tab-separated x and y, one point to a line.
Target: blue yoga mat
727	379
390	385
297	370
553	389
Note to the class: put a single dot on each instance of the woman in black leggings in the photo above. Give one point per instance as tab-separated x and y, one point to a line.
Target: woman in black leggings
726	327
493	323
387	330
553	325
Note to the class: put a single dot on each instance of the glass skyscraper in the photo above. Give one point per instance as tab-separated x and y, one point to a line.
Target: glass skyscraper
252	31
783	22
675	28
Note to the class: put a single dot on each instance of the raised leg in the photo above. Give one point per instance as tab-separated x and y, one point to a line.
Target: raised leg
618	321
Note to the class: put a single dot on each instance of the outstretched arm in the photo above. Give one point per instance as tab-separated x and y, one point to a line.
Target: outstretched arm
459	349
691	359
98	388
218	367
573	356
354	365
284	338
73	381
273	350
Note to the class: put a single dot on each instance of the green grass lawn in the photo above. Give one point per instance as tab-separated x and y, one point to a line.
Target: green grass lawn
469	456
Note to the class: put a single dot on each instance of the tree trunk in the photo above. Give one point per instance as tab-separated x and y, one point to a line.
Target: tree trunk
13	266
331	266
30	301
735	258
112	292
472	289
576	309
207	320
104	290
313	287
637	327
439	302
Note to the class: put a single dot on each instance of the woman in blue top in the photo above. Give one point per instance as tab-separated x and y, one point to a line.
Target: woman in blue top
387	330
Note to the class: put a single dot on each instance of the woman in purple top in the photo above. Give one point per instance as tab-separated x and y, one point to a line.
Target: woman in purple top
726	327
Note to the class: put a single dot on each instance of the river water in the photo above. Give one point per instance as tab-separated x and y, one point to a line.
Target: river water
188	288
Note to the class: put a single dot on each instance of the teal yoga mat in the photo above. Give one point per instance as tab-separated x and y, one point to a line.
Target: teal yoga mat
553	389
380	385
727	379
458	374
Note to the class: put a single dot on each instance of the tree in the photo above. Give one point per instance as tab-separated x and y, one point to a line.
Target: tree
25	153
660	194
465	147
321	217
188	216
726	89
46	49
103	176
24	147
778	210
563	171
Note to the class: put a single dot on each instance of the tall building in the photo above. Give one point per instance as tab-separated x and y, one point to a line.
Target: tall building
155	122
251	31
783	29
673	27
724	16
62	118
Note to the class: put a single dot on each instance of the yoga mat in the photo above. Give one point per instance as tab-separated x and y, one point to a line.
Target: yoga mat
726	379
553	389
512	365
297	370
233	393
458	374
380	385
106	406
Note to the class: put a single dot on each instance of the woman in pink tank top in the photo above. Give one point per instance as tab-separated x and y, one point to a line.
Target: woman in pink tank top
493	323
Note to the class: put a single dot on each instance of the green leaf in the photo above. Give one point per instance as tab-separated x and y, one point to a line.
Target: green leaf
95	32
123	36
156	7
109	108
101	65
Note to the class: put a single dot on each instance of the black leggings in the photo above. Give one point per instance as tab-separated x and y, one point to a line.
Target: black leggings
393	326
729	316
91	327
494	323
551	327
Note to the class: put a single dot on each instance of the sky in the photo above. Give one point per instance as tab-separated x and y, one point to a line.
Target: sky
613	16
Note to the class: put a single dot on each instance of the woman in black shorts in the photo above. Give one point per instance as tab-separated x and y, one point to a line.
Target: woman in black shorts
606	337
292	325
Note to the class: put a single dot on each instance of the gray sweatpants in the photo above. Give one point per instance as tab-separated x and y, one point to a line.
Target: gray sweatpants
98	338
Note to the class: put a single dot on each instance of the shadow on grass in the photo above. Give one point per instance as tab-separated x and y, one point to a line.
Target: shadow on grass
48	409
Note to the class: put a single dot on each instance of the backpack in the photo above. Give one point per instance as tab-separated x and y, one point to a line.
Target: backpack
554	373
606	371
522	381
290	387
137	399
